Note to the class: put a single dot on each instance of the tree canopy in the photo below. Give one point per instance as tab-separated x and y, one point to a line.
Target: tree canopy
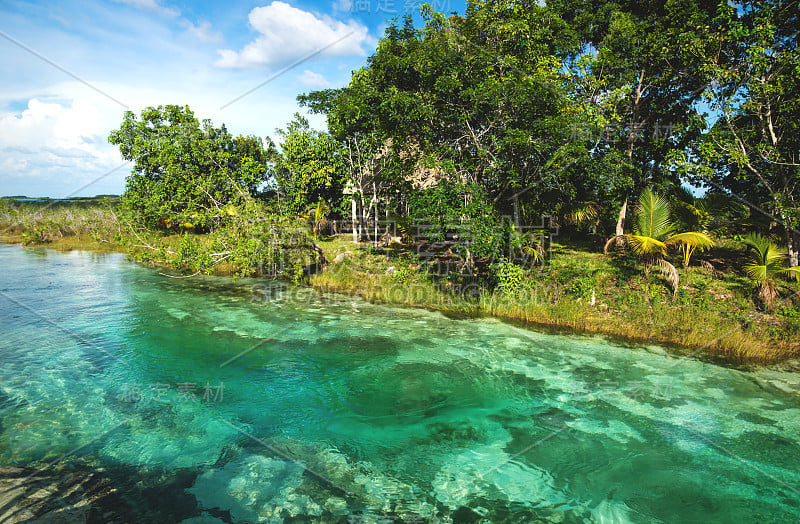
186	173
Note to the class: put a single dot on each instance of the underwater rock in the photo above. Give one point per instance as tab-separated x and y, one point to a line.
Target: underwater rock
255	488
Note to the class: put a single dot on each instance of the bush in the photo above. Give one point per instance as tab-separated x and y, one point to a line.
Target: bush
404	276
508	277
580	286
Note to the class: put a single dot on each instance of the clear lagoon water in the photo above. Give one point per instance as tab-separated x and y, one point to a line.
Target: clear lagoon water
254	401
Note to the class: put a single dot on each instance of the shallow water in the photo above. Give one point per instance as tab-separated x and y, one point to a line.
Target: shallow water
279	403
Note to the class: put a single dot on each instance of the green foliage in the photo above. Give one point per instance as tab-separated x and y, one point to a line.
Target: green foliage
579	284
318	215
714	213
767	261
404	276
751	150
38	235
508	277
260	243
41	222
653	235
654	230
452	210
187	175
791	322
310	167
191	256
468	95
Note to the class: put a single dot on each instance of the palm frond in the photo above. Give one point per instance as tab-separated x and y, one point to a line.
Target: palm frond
653	216
697	240
688	242
583	212
763	252
530	245
757	272
646	246
792	273
671	274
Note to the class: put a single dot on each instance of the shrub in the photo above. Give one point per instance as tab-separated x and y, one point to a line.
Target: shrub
508	277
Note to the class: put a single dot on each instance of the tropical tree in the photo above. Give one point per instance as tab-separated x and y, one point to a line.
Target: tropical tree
766	262
654	234
318	215
480	96
186	173
752	148
638	77
715	213
310	166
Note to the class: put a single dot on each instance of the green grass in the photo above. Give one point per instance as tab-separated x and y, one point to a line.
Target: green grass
714	316
44	224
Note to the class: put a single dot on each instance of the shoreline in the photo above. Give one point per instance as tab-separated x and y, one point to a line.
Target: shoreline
732	349
715	353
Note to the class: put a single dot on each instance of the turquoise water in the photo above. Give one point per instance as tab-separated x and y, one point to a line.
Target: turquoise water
251	401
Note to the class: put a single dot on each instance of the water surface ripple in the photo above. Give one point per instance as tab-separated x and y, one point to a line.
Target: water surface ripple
266	407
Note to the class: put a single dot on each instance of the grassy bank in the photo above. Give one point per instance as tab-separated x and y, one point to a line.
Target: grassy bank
715	314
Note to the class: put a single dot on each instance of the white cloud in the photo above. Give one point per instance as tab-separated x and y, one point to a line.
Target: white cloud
58	144
288	34
151	5
58	141
202	32
313	80
68	128
54	129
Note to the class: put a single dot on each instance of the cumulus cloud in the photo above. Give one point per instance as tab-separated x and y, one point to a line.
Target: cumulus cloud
313	80
288	34
55	143
54	140
52	124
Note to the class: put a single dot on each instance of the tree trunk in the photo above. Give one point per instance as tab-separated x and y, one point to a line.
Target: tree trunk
792	239
793	243
354	217
361	219
632	135
375	226
621	221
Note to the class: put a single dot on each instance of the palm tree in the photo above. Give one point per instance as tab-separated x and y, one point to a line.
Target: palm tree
530	246
766	262
653	236
583	212
318	214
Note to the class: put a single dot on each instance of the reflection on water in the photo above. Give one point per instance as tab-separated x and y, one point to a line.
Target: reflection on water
249	401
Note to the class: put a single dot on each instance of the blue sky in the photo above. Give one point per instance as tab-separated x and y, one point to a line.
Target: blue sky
70	70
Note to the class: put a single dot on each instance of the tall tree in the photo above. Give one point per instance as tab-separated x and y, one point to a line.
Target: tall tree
186	173
644	72
753	150
480	98
309	167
